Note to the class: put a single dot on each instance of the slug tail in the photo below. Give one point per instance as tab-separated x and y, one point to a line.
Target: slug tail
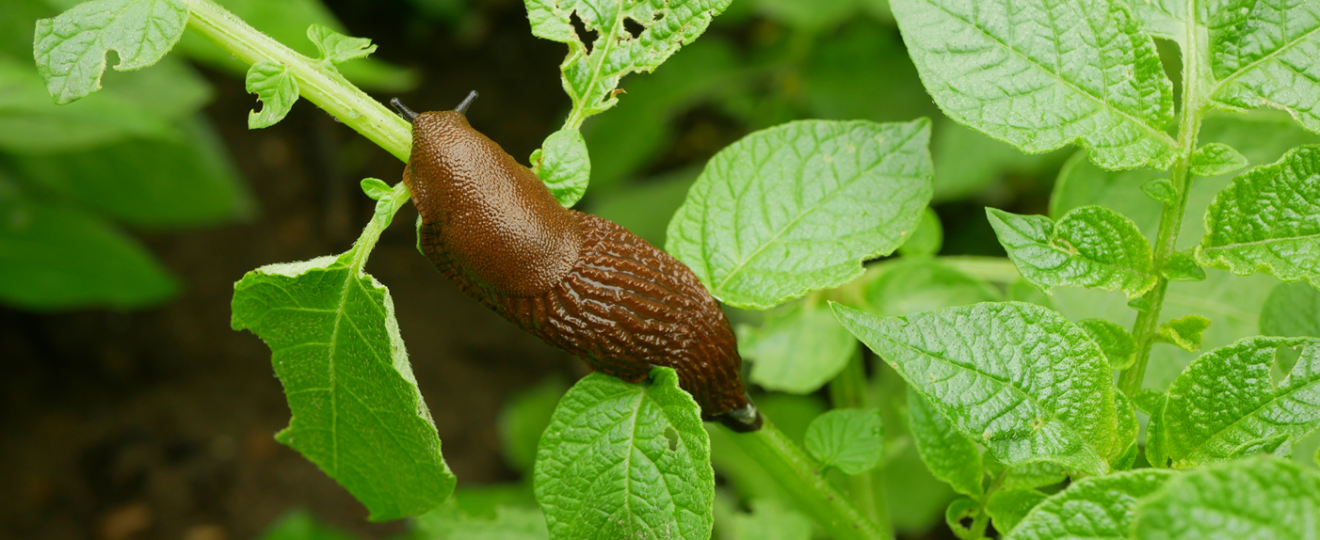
744	419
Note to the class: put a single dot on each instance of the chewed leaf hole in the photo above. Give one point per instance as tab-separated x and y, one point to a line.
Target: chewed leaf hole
672	436
633	27
586	36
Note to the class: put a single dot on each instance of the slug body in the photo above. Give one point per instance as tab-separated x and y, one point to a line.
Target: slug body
579	282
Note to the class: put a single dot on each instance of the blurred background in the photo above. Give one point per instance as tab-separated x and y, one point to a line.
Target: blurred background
129	409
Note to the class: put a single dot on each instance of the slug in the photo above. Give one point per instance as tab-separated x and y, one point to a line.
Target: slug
579	282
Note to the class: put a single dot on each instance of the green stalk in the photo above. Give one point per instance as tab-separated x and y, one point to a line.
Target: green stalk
1196	82
802	479
848	390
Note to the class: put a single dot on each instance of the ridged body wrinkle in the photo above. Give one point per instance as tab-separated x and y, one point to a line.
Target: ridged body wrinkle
579	282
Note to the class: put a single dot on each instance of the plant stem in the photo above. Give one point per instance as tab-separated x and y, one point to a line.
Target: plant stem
848	390
318	83
1196	82
802	479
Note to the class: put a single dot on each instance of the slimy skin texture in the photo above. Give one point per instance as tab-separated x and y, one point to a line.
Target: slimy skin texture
579	282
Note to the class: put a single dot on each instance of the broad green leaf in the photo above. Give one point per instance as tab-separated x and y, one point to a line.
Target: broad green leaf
1250	499
1118	345
524	418
1226	399
1261	221
850	440
798	207
70	49
1182	266
592	73
1292	310
1097	508
148	183
1085	73
905	286
608	468
1215	159
356	409
1128	430
301	525
1008	506
645	208
797	348
1017	378
949	455
277	90
336	47
928	237
770	520
1183	332
562	163
61	257
1267	54
1090	246
1028	475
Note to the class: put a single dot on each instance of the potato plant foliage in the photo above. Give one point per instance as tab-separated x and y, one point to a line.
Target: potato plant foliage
968	387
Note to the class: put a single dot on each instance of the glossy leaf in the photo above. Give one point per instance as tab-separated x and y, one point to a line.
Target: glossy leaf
277	90
1292	310
1261	221
1091	246
949	455
797	349
1017	378
1226	400
1267	54
607	467
1184	332
1249	499
1215	159
850	440
1118	345
563	164
1086	73
1008	506
798	207
1097	508
70	49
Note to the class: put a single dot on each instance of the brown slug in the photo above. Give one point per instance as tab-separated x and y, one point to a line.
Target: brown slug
579	282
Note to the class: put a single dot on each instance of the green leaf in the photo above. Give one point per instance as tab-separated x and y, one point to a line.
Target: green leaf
70	48
850	440
56	257
1031	475
1261	221
1043	89
357	412
1128	431
1267	54
1182	266
1291	310
770	520
523	420
607	466
590	76
1041	392
301	525
1226	399
798	348
338	48
1157	439
961	509
928	237
1091	246
1160	189
1256	498
949	455
1008	506
1098	508
906	286
376	188
148	183
1215	159
1118	345
277	90
798	207
563	164
1184	332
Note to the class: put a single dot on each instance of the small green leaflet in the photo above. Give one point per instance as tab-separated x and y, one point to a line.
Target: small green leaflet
1257	498
1182	266
1291	310
337	48
1017	378
621	459
1266	54
590	78
1184	332
276	88
1118	345
1262	220
798	207
70	48
1043	89
1097	508
1008	506
1215	159
563	164
1226	404
1160	189
850	440
798	347
1090	246
950	456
